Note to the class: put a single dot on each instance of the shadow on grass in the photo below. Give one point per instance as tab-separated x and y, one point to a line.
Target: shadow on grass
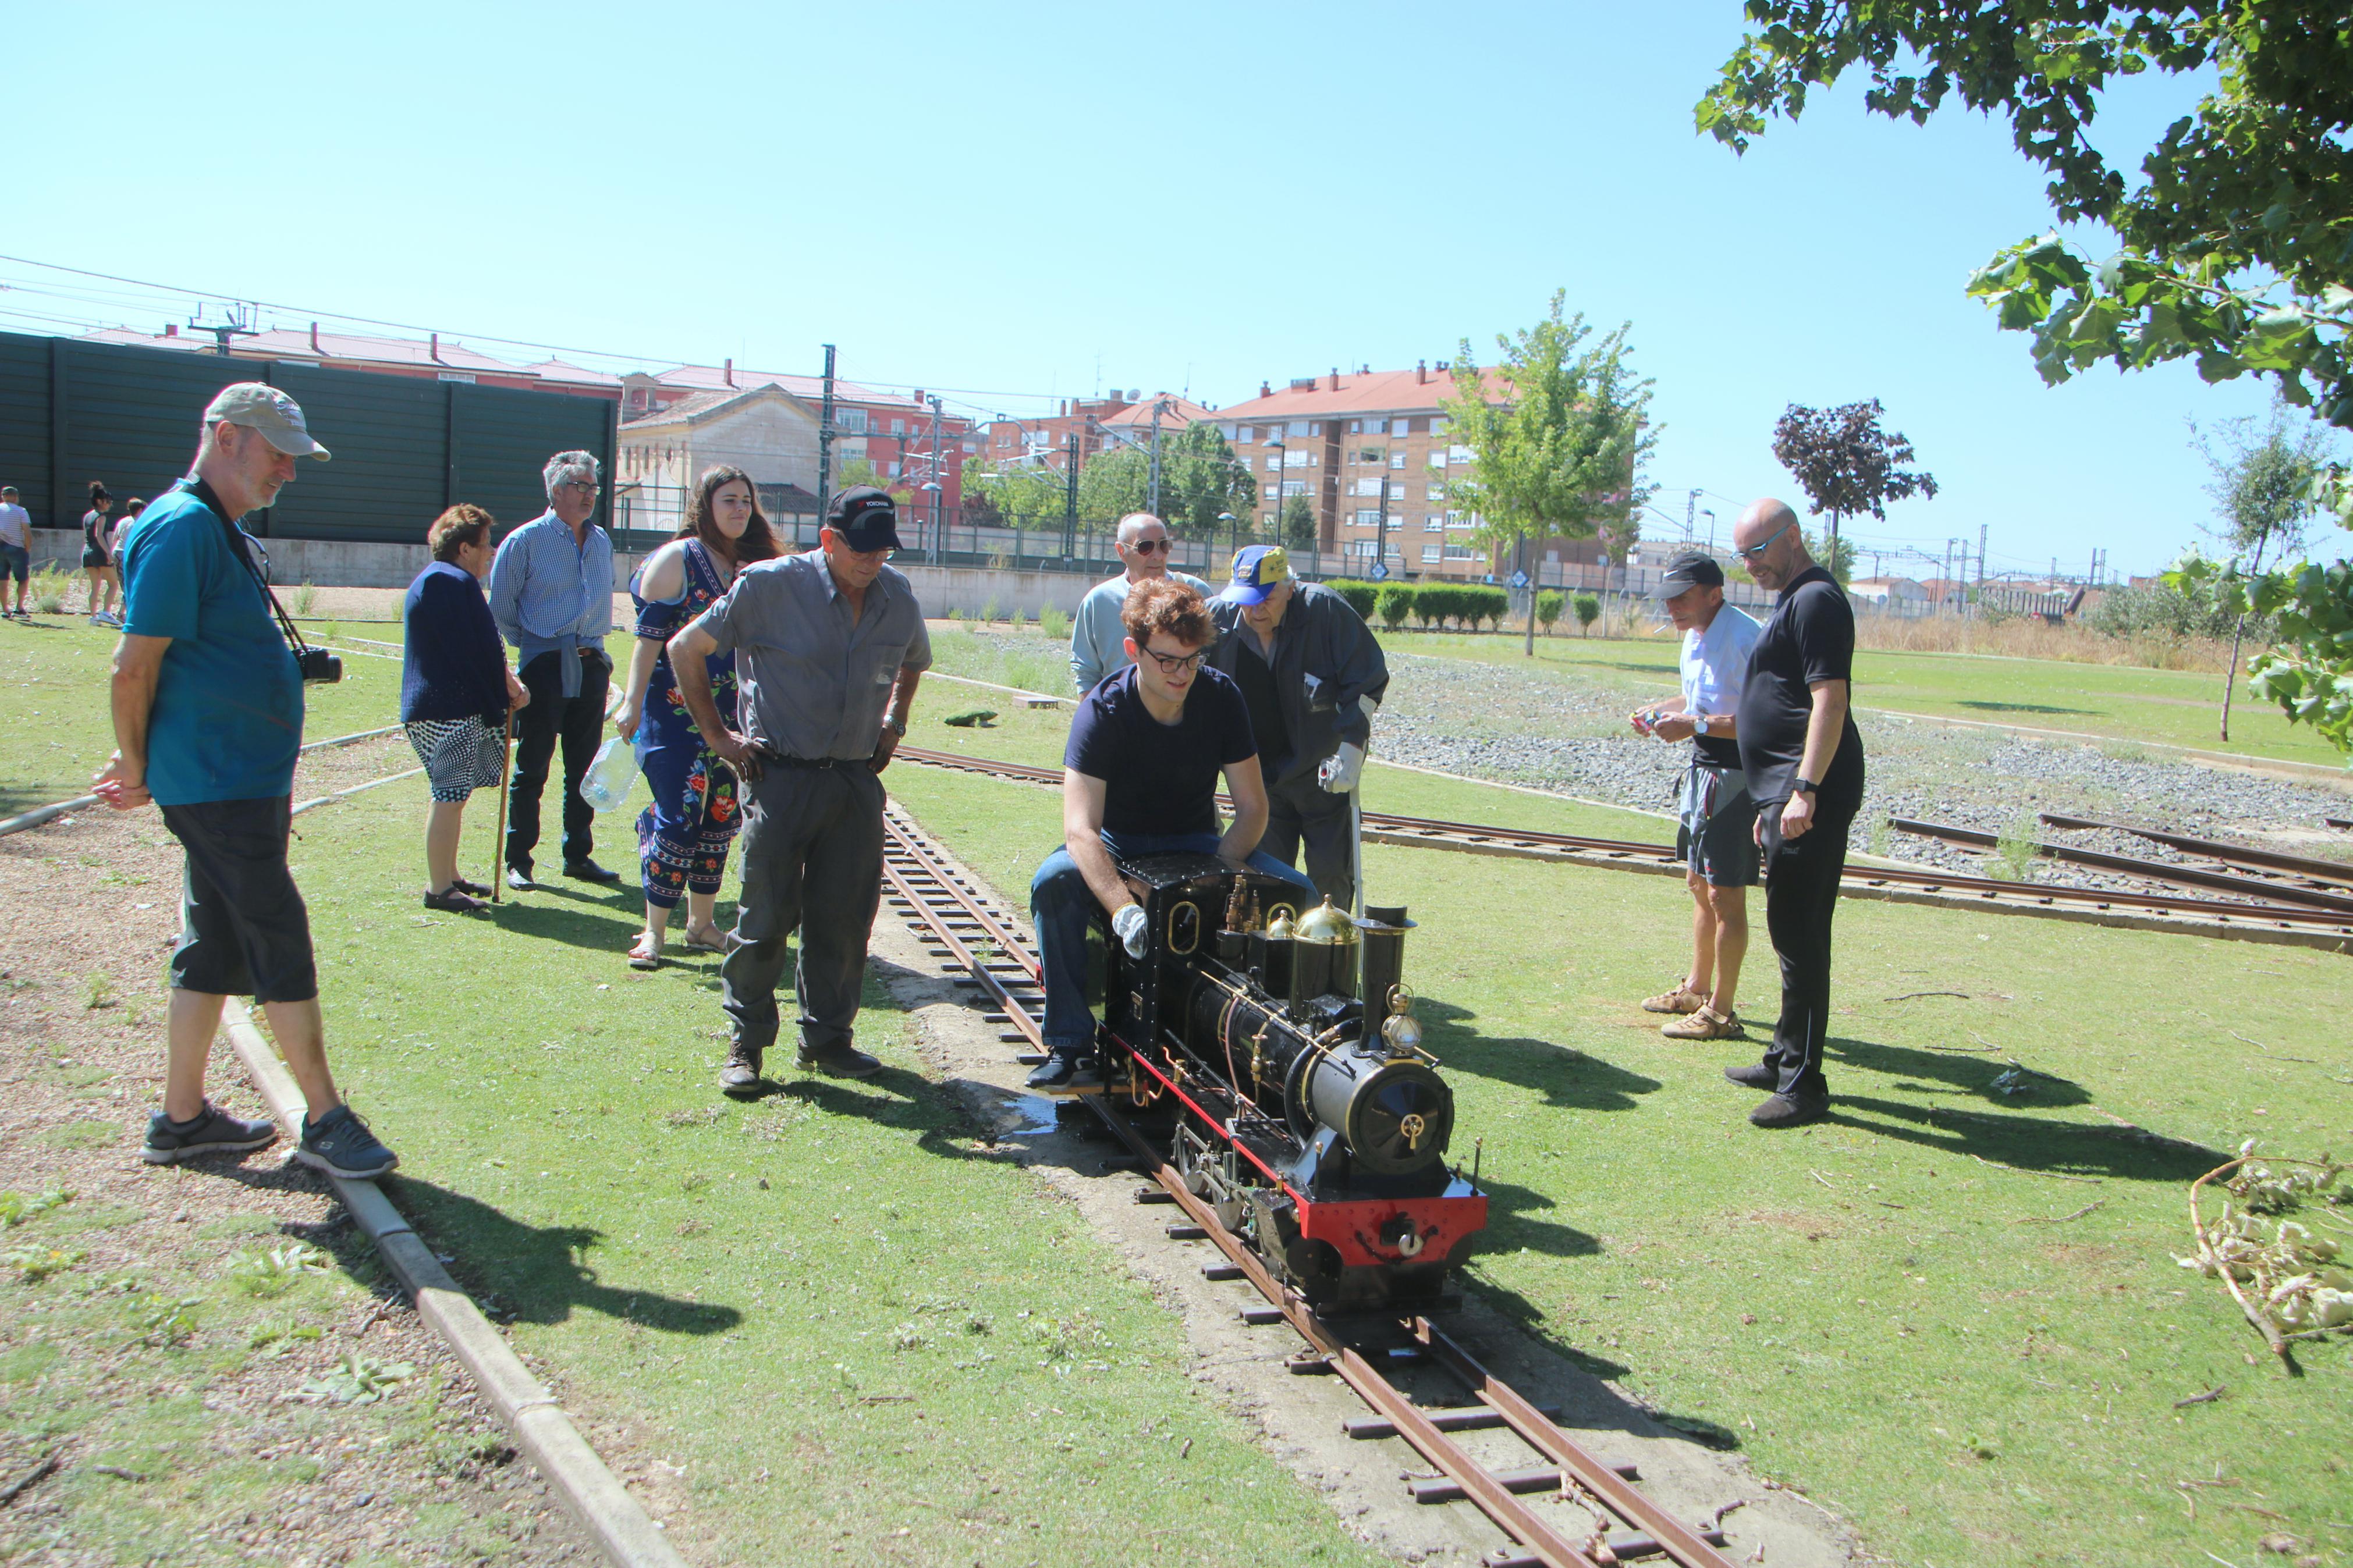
596	922
539	1273
2030	1143
2018	707
1569	1079
1958	1073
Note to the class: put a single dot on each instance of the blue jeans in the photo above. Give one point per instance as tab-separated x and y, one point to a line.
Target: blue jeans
1060	905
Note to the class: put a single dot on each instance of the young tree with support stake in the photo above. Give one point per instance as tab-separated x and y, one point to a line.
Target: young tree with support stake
1846	465
1565	456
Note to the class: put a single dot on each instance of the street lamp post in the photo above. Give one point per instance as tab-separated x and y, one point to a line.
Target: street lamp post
1275	529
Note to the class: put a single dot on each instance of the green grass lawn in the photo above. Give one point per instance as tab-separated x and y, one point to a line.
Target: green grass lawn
1894	1310
60	729
2121	702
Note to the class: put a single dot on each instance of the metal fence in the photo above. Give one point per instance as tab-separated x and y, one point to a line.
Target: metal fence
404	447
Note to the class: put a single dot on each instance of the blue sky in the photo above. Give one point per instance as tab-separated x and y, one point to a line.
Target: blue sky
1022	203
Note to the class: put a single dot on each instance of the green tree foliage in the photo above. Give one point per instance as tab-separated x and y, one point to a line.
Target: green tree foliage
2263	491
1549	604
1299	531
1834	551
1395	604
1200	478
2237	242
1846	465
1363	598
1589	610
1565	454
1019	498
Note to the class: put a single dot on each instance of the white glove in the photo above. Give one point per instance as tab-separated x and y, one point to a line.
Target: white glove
1341	771
1128	924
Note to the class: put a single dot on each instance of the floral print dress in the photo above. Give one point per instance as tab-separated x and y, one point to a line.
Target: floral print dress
697	802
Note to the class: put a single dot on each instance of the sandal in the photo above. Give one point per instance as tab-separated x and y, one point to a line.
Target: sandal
1707	1024
1681	999
643	959
454	902
728	943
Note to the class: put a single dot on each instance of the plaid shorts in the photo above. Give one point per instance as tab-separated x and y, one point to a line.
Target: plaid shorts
460	755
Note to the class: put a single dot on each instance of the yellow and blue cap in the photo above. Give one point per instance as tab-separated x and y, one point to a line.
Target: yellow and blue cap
1258	571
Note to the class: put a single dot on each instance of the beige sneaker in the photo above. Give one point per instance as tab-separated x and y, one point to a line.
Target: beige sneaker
1682	999
1707	1024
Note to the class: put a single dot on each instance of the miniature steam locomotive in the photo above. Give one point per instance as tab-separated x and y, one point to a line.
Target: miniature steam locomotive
1282	1047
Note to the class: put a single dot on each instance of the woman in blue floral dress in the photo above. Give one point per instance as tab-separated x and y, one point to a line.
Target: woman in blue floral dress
697	804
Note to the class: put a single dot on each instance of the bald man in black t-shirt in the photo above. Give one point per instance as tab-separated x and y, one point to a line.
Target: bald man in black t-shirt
1140	777
1804	763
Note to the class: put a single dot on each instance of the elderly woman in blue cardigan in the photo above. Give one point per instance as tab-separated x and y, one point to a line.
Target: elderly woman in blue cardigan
455	692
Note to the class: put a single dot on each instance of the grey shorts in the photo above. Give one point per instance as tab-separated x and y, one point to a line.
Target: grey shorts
1716	833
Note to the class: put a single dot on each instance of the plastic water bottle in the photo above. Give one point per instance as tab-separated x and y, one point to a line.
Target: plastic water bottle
611	776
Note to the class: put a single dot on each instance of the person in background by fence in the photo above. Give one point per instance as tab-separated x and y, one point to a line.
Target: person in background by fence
455	693
207	704
1804	763
97	555
1717	821
683	834
1098	640
122	530
16	551
1312	675
831	646
552	595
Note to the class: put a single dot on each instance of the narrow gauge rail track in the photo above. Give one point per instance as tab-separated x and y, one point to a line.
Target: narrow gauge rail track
2317	872
2317	925
973	939
2270	892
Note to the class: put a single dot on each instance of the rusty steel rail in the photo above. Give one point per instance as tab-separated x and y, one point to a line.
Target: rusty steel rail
2335	872
1432	833
2273	894
962	928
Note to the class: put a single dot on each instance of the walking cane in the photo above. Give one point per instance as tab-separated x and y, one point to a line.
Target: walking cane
498	844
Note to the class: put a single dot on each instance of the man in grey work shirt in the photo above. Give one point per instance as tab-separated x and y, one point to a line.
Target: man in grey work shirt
828	648
1097	639
552	595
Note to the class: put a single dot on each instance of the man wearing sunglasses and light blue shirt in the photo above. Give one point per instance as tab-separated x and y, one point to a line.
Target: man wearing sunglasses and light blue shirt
1098	641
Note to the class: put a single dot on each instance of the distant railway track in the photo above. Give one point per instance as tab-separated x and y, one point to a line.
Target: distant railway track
2320	918
984	948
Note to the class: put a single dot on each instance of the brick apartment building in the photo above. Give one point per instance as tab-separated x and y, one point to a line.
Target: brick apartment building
1097	424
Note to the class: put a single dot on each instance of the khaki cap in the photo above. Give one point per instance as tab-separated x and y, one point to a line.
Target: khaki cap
258	405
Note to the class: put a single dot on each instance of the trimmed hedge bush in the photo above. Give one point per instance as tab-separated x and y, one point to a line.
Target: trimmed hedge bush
1463	605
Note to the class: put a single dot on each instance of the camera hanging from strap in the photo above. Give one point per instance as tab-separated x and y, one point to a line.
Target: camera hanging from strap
317	666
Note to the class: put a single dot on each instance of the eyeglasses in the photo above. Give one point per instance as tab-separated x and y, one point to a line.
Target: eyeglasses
584	487
1147	546
1753	552
1178	664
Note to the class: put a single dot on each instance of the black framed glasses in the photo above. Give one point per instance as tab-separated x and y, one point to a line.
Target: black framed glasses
1751	552
1178	664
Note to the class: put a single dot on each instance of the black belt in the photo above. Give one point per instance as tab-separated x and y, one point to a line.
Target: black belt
814	763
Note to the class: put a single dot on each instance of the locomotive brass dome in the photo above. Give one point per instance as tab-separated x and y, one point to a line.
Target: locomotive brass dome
1328	925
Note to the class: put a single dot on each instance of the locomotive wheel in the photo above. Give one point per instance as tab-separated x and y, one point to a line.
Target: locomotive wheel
1187	1161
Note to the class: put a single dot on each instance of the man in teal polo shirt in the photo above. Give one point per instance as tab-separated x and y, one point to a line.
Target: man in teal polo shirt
208	721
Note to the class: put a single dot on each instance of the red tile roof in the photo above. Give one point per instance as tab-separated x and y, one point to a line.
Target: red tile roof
715	378
1138	415
1382	392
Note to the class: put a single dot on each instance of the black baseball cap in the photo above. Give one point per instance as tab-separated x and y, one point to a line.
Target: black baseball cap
1690	569
866	518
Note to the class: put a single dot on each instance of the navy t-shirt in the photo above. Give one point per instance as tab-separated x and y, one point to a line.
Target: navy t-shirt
1810	637
1159	778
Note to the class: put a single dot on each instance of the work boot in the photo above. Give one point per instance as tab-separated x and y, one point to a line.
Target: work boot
742	1073
844	1060
1791	1111
1754	1075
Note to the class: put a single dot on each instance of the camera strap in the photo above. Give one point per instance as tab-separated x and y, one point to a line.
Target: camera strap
237	541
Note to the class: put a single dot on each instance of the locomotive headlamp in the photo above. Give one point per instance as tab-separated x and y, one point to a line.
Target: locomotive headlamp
1402	1031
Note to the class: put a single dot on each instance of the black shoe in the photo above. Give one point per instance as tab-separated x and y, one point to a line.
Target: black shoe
1791	1111
742	1073
454	902
518	879
1066	1075
1755	1075
844	1060
212	1130
471	889
589	871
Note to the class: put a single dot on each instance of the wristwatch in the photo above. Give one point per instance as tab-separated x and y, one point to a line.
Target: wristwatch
1803	786
896	726
1699	723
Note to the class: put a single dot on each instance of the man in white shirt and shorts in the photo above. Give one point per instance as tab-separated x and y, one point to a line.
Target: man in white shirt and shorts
1716	835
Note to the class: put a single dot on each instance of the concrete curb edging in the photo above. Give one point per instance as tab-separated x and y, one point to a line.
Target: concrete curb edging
590	1492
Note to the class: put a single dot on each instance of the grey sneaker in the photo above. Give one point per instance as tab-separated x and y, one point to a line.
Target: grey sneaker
213	1130
844	1060
341	1144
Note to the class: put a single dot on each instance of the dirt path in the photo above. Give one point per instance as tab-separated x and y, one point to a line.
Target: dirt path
209	1354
